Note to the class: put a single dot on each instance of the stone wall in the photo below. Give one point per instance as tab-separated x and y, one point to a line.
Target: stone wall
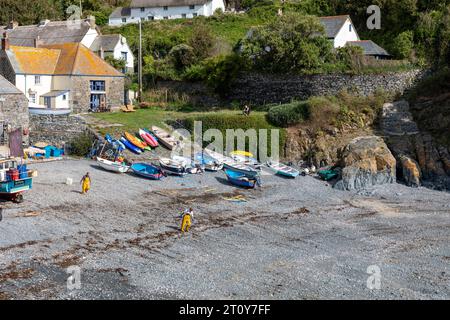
14	111
80	92
56	129
260	89
263	89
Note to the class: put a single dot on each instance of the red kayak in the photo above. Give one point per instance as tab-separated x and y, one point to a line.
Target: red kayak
148	138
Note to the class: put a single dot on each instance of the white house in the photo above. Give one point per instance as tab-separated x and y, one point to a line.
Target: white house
164	9
340	30
84	32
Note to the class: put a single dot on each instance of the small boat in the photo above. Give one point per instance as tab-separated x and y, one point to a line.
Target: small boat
130	146
210	163
283	170
112	166
190	165
241	153
148	171
147	147
328	175
247	161
150	133
133	140
173	167
240	167
166	139
148	138
241	179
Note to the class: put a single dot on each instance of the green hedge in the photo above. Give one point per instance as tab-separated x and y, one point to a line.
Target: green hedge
224	121
289	114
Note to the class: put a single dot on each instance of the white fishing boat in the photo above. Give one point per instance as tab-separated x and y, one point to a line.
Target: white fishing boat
282	169
112	166
172	167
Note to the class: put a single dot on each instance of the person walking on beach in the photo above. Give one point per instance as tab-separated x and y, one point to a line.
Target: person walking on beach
186	220
85	183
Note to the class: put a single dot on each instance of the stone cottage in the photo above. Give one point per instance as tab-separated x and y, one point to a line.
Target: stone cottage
62	78
13	111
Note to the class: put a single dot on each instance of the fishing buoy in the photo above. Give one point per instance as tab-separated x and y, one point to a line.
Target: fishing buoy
69	181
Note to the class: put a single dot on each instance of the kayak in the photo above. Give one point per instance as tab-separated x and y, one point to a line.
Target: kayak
130	146
283	170
147	147
241	153
148	138
111	140
133	140
148	171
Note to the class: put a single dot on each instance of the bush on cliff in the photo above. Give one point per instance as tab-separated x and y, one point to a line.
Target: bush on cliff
81	144
286	115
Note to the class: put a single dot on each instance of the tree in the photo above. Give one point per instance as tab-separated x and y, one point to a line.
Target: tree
294	42
182	56
403	45
202	42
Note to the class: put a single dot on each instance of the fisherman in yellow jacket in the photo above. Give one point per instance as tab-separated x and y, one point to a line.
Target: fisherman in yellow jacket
85	183
186	220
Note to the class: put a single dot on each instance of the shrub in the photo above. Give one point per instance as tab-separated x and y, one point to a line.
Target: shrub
224	121
403	45
182	56
202	42
288	114
221	72
81	144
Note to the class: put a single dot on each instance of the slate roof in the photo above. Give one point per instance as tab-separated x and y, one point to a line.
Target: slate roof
54	93
333	24
107	42
370	48
168	3
51	33
121	12
59	59
7	87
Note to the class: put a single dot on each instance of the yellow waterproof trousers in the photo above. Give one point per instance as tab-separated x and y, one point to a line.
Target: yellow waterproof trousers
186	223
85	186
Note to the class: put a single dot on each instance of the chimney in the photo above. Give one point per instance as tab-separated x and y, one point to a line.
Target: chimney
38	42
12	25
91	21
5	42
102	52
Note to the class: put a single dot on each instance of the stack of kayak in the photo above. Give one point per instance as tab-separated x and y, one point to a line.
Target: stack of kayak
144	140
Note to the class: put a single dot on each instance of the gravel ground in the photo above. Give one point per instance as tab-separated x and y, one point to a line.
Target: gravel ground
291	239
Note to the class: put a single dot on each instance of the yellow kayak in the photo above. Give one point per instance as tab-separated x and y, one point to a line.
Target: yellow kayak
241	153
134	140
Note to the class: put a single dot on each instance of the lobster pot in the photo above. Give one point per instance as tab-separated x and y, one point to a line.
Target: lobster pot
13	174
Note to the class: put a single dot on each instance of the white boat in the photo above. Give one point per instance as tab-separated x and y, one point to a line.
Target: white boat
165	138
189	165
173	167
282	169
242	168
112	166
249	161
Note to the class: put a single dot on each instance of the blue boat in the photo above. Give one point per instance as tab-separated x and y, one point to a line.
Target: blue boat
242	180
148	171
130	146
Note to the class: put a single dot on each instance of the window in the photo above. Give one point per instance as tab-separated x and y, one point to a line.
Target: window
32	98
184	15
194	15
124	55
64	97
97	85
37	79
192	7
350	28
151	18
124	20
166	8
142	9
165	18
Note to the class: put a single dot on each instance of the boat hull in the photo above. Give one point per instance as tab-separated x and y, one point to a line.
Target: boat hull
112	166
130	146
241	169
147	171
240	179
